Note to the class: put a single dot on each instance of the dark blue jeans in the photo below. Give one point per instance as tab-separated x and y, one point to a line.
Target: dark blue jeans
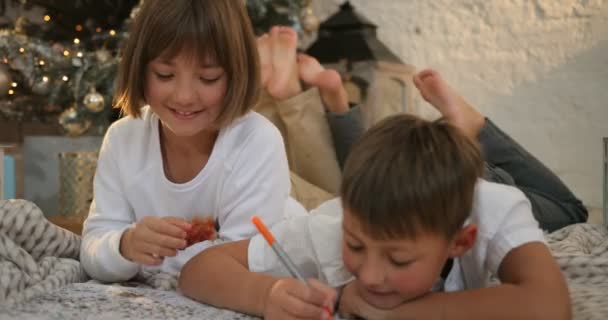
553	204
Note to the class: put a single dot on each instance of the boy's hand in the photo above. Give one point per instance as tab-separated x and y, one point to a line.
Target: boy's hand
291	299
351	304
153	238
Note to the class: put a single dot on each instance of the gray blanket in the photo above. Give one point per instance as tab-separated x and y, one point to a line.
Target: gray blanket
41	278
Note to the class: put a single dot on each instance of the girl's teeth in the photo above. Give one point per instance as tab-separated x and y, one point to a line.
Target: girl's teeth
184	113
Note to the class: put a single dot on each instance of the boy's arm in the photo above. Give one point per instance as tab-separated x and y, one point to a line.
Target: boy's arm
532	288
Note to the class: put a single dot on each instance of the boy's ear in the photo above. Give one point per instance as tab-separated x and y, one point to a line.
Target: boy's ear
463	240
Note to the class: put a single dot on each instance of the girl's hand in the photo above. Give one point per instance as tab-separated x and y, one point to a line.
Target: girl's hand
291	299
153	238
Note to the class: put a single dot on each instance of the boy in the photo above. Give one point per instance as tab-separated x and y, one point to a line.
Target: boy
415	235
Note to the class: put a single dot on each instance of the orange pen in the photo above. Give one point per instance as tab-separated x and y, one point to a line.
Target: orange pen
283	257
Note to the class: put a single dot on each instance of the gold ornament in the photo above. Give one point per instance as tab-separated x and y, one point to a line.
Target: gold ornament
5	81
94	101
310	22
136	9
73	124
103	55
21	25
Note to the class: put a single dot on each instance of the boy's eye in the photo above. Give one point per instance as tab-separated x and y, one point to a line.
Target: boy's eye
401	263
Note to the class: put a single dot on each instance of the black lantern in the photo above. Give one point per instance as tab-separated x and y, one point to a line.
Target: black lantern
374	77
349	36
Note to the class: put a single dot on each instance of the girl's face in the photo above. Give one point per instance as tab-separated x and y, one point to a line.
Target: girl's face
185	93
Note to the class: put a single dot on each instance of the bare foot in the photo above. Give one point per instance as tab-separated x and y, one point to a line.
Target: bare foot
265	51
284	82
328	81
451	105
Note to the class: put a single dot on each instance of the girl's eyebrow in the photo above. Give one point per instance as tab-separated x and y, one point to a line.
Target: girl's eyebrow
210	65
206	64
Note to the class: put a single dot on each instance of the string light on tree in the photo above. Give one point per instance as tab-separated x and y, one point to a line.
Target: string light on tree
42	86
5	81
70	58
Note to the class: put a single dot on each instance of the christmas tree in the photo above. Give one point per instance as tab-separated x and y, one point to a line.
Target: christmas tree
64	68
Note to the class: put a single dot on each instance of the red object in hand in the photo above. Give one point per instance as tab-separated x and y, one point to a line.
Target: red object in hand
202	229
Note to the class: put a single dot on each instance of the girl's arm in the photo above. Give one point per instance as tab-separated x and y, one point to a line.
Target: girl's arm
219	276
110	215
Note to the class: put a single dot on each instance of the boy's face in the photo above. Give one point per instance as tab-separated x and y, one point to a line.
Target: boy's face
390	272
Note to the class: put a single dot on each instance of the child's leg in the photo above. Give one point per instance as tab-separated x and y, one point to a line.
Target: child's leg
299	115
267	105
311	151
284	82
345	123
265	52
553	204
328	81
346	128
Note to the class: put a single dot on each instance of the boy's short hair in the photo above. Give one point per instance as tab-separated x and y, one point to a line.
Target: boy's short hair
219	29
407	175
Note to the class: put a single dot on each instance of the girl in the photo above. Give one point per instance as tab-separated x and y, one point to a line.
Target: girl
189	147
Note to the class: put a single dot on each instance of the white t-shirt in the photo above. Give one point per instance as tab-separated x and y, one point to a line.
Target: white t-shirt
246	174
502	214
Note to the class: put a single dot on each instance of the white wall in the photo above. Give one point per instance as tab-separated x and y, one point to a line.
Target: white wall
538	68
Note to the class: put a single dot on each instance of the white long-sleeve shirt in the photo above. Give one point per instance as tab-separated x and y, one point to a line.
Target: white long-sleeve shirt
246	174
503	216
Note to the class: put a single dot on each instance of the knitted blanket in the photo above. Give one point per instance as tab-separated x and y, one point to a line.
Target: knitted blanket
581	251
41	278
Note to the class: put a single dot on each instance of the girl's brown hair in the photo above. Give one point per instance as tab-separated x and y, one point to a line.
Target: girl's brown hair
217	29
407	175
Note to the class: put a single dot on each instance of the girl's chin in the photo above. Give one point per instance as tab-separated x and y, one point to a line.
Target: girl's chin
185	131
